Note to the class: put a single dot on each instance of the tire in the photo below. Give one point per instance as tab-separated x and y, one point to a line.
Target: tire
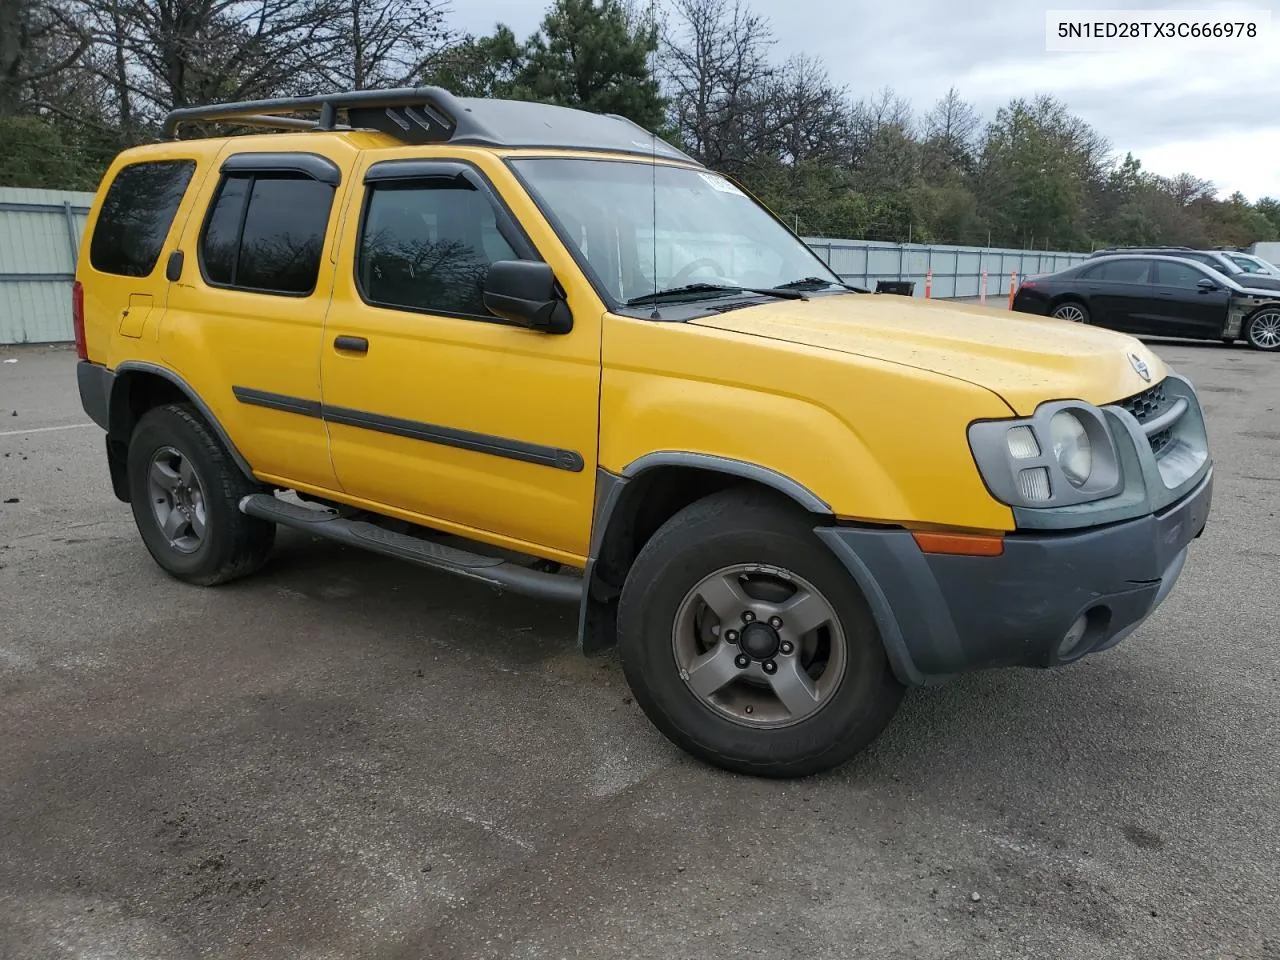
656	627
1262	330
1072	310
213	542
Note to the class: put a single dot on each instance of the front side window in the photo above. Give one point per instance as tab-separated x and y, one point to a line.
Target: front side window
136	215
265	233
427	245
1179	275
1248	266
643	228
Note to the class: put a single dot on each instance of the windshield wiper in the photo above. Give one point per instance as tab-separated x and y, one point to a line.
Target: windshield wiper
676	293
805	282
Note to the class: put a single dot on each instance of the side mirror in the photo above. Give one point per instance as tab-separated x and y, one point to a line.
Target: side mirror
525	292
1206	285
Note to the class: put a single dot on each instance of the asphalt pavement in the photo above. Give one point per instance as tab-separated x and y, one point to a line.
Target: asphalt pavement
349	757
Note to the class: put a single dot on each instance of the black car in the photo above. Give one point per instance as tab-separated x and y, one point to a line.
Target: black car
1214	259
1156	296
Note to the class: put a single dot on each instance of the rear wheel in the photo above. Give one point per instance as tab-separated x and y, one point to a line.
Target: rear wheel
185	493
1073	311
747	643
1262	330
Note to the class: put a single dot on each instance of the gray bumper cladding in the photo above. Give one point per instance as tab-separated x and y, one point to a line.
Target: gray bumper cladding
944	615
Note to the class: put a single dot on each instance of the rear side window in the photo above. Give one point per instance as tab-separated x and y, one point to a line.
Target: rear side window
265	233
1120	271
136	215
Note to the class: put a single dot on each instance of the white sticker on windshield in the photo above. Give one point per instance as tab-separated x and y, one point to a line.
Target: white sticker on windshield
721	184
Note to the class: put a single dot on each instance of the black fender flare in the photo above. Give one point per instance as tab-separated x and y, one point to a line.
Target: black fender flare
119	413
593	636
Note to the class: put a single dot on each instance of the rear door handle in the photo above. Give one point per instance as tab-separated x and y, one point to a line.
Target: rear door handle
351	344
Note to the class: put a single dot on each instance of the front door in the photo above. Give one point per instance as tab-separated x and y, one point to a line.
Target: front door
1186	309
438	411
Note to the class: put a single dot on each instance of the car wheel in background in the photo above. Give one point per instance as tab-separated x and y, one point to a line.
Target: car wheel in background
1071	310
1262	330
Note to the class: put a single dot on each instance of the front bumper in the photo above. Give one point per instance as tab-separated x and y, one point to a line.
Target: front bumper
944	615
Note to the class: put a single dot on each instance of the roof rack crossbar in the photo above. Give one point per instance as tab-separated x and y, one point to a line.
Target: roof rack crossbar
417	113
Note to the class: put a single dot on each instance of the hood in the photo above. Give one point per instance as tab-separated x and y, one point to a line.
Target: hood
1023	358
1257	281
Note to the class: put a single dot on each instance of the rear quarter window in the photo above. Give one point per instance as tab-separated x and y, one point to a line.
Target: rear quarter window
136	215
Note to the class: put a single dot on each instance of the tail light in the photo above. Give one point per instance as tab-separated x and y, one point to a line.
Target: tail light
77	320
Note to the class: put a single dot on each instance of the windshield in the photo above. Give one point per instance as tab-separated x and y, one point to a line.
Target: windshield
1252	264
709	233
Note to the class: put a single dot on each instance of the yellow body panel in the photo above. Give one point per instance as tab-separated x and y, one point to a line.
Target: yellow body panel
863	400
874	440
1024	358
486	378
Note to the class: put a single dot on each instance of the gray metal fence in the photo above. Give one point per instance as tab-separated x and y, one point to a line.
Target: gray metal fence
40	234
957	272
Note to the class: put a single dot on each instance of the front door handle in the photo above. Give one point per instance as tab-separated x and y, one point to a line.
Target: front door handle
351	344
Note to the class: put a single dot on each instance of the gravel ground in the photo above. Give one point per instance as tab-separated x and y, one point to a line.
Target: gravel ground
349	757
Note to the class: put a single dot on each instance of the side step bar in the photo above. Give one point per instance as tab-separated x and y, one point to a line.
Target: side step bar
426	553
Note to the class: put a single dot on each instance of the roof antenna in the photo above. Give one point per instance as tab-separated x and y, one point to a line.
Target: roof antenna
653	167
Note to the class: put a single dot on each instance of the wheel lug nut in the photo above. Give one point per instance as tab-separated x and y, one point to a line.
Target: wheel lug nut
786	647
775	622
770	666
742	661
731	636
748	616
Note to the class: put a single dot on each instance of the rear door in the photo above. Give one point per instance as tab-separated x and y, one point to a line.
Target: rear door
245	320
1187	310
1121	296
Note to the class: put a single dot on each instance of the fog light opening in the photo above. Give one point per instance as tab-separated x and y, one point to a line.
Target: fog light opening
1083	634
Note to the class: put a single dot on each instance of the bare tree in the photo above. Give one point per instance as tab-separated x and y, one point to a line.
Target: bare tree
714	59
38	40
871	116
807	115
161	54
376	43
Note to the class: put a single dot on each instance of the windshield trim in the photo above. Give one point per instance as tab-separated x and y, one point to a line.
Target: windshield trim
612	303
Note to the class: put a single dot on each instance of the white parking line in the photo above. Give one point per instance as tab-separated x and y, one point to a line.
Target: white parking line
69	426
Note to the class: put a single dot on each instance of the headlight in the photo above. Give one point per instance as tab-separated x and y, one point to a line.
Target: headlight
1064	454
1071	446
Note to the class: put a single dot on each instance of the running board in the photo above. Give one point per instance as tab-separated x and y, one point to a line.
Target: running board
426	553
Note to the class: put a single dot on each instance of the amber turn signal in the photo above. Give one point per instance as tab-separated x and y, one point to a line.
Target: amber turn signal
959	544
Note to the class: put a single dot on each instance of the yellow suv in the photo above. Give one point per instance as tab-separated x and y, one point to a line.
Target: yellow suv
540	348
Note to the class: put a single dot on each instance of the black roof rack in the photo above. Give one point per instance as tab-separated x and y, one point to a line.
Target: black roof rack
433	115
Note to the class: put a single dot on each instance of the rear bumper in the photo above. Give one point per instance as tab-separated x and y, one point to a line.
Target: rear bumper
94	382
945	615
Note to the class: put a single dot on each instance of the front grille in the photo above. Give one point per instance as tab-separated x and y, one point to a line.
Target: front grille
1145	407
1160	440
1148	404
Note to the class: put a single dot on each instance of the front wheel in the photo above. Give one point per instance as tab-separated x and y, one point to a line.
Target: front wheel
747	643
1263	329
1072	311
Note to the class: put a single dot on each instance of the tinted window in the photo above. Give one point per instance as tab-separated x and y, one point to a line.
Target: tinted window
136	214
428	246
1121	271
273	245
221	241
1178	275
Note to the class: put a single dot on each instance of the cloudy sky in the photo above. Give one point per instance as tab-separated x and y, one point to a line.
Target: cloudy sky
1211	112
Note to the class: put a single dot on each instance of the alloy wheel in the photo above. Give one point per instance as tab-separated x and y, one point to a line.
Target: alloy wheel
759	645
